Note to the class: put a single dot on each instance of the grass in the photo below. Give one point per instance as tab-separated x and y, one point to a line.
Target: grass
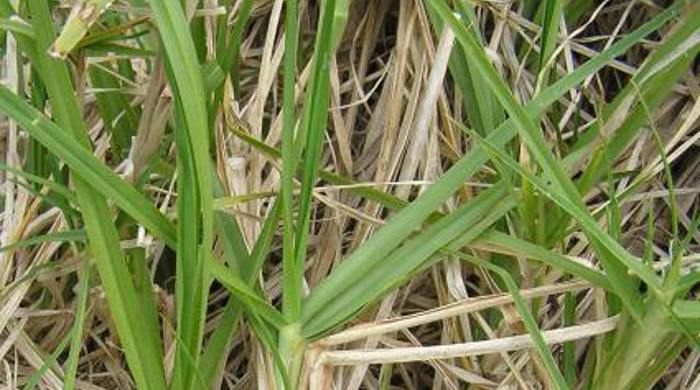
349	194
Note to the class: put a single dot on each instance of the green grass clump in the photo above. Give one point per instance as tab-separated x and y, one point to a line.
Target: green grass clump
214	194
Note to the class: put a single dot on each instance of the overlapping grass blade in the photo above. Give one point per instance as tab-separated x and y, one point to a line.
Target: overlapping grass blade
195	212
483	110
587	222
247	266
529	321
120	118
311	135
142	348
54	186
49	363
611	254
247	295
227	60
76	343
401	225
502	243
322	313
86	166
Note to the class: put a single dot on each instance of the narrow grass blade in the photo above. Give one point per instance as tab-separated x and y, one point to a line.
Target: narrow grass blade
347	295
228	55
85	165
49	362
120	118
64	236
627	292
247	295
291	302
195	211
54	186
529	321
312	133
550	31
483	111
218	344
76	343
503	243
141	347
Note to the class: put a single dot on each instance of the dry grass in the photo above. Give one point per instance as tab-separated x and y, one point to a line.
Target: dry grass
392	126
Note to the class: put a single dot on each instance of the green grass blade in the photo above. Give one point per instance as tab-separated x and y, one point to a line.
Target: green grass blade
120	118
229	59
626	291
195	211
76	343
16	25
312	133
347	295
230	236
569	357
54	186
550	31
141	347
84	164
291	302
247	295
218	343
503	243
64	236
529	321
483	111
50	361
